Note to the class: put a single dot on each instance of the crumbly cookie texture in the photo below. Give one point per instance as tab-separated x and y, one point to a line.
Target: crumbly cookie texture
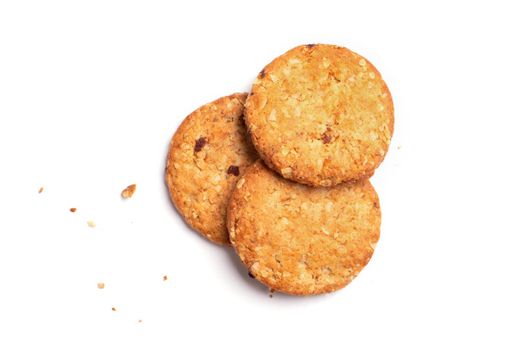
299	239
207	155
320	115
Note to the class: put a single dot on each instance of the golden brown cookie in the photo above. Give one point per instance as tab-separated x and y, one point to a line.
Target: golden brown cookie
207	154
299	239
320	115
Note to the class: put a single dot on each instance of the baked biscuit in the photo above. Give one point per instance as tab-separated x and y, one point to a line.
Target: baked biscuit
299	239
207	154
320	115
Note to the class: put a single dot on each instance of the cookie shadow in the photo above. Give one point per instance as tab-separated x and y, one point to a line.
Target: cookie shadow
262	289
231	255
242	271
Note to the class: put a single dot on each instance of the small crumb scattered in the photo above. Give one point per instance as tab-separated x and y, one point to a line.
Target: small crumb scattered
271	292
41	190
91	224
100	285
399	147
73	210
113	309
164	278
128	191
140	321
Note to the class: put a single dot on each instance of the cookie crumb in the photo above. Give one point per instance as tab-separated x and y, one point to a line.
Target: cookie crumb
271	292
113	309
40	190
251	275
91	224
72	210
233	170
100	285
128	191
399	147
164	278
140	321
199	144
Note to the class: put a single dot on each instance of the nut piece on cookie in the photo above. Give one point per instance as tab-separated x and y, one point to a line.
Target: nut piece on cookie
233	170
199	144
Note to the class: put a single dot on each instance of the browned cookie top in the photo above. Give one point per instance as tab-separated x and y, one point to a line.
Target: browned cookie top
208	153
320	115
302	240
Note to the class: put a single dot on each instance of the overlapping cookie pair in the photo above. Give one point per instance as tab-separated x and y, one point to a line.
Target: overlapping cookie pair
303	218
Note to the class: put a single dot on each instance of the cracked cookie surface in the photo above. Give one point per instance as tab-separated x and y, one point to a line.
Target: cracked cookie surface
299	239
320	115
208	153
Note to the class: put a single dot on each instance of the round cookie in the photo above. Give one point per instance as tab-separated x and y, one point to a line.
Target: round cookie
298	239
207	155
320	115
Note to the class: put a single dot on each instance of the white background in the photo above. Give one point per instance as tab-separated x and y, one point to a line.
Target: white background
90	94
